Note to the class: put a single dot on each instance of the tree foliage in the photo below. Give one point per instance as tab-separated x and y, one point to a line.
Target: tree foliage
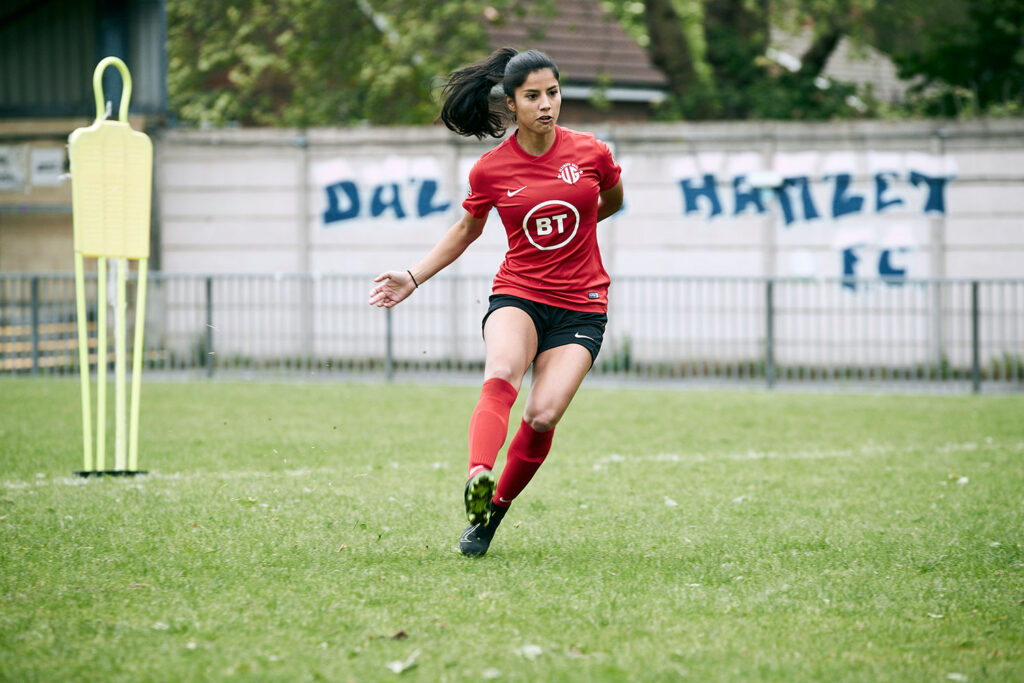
339	62
316	62
966	56
714	54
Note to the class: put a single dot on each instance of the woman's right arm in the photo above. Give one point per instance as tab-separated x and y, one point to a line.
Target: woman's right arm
397	285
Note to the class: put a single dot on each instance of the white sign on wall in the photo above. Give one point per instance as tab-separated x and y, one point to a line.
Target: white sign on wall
47	166
12	168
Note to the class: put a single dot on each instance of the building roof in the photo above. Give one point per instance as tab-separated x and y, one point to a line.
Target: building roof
849	63
588	44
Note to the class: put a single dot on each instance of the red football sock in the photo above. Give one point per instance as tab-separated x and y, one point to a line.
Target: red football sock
488	427
525	455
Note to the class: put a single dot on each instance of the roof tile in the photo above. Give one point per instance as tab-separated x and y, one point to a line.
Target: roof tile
584	41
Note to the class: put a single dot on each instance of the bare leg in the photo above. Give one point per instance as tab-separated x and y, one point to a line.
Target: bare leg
511	342
557	375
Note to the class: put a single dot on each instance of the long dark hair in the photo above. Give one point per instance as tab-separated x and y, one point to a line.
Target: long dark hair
468	108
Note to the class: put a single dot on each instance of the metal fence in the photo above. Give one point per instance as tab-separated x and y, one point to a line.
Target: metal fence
937	334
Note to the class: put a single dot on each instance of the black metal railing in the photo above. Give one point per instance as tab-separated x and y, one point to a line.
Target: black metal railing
946	334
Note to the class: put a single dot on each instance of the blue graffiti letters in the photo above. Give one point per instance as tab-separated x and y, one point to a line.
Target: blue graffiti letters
345	200
936	201
796	195
744	195
708	190
425	202
850	259
887	270
810	212
893	276
881	187
345	190
843	203
378	205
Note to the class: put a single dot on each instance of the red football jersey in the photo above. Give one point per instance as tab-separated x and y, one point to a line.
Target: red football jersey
548	205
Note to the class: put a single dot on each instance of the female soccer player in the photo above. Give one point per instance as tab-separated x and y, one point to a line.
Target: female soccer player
549	301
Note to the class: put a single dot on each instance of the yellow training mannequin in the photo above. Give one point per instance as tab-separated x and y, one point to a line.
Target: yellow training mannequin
111	190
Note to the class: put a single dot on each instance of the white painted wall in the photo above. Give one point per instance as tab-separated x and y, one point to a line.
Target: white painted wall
904	199
256	200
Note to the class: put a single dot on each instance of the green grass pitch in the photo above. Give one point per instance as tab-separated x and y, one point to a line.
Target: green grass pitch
291	532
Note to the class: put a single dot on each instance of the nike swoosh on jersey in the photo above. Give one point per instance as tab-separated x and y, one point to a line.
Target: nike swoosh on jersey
513	194
583	336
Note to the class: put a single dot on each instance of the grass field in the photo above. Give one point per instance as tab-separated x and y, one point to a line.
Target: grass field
306	532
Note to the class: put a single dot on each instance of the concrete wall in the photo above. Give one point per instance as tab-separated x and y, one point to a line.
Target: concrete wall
900	199
905	200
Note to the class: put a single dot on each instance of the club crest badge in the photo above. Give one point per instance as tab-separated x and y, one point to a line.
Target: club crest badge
569	172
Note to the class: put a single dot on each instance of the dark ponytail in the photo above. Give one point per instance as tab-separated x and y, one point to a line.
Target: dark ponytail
468	108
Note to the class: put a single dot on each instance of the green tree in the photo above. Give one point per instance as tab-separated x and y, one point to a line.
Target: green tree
713	53
317	62
253	62
339	62
968	56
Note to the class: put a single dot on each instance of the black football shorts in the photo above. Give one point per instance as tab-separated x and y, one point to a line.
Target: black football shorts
556	326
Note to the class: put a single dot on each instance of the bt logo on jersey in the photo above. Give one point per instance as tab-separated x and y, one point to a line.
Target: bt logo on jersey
544	224
551	224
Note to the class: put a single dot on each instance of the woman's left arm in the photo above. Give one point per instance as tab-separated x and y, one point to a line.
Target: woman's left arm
609	201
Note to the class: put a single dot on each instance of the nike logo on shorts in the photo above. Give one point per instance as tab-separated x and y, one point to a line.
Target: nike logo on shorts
513	194
583	336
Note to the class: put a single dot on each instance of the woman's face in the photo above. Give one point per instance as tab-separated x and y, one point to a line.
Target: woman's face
537	102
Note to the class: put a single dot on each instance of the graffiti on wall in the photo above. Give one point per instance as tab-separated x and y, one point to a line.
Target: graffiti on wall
394	188
871	208
865	198
796	201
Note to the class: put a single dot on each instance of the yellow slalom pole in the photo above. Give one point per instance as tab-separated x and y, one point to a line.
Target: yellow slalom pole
101	365
83	359
137	353
120	356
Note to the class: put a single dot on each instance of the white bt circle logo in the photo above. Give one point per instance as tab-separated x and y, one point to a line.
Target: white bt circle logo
569	172
554	227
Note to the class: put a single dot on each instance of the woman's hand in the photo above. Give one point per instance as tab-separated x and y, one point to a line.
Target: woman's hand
395	286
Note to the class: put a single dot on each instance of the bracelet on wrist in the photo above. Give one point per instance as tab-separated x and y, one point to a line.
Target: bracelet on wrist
413	279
